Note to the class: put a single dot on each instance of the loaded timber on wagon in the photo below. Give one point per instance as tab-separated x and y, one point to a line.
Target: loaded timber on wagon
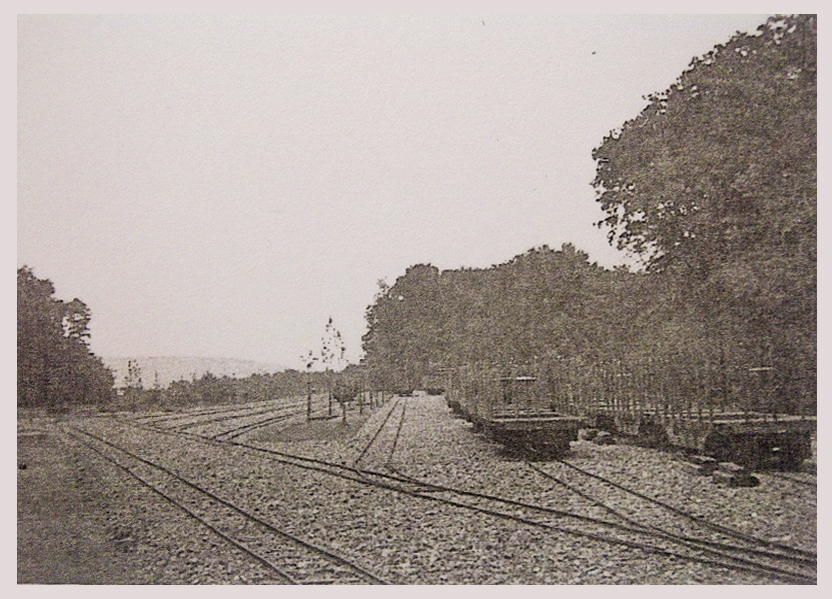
733	414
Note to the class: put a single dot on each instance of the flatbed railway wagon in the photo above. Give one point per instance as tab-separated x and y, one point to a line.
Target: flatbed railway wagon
435	382
730	414
514	409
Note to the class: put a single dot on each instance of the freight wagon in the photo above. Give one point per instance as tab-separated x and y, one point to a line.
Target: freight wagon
733	414
512	408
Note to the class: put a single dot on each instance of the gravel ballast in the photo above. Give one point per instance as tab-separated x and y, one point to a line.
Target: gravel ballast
413	540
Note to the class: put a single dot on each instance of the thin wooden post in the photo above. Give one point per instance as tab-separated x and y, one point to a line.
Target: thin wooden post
308	399
711	396
607	386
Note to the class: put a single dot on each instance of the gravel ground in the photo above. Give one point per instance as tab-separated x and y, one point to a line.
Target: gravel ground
409	540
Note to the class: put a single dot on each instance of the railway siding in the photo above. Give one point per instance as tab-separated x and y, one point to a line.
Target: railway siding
409	534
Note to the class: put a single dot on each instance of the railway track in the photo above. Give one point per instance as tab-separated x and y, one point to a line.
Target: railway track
287	557
791	568
720	541
246	428
374	439
210	423
232	417
172	417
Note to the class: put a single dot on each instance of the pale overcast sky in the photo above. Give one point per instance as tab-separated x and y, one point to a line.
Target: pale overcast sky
219	186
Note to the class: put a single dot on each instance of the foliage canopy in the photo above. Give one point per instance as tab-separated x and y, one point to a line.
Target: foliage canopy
713	186
55	368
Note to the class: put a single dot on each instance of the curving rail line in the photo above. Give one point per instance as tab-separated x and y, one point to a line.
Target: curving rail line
718	528
714	548
595	529
246	428
237	416
276	413
281	552
167	417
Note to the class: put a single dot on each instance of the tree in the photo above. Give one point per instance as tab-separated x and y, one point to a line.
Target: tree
55	367
722	161
714	185
408	327
332	358
133	378
332	347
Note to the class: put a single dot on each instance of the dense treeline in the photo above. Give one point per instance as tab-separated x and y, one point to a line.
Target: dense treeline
541	303
209	389
55	368
713	187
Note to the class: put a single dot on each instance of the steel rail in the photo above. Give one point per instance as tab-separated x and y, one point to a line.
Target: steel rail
711	547
334	557
205	411
284	412
236	432
249	552
380	428
360	476
398	433
225	417
727	531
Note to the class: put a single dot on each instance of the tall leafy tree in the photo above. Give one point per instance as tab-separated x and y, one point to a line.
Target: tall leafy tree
55	367
714	185
725	160
406	326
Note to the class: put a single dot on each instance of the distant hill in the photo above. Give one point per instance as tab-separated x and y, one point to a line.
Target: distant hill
173	368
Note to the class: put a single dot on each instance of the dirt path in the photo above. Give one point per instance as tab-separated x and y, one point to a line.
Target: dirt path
59	538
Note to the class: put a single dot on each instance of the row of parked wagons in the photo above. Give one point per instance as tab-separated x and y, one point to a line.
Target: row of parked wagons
542	410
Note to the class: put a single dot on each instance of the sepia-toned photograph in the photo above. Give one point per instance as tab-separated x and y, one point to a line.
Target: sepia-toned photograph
471	299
